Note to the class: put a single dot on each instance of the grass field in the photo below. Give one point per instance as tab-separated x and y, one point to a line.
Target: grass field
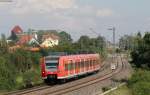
123	90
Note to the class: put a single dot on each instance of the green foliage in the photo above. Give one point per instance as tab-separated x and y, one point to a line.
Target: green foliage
65	38
15	67
128	42
139	83
3	45
6	76
83	45
20	69
91	44
29	78
141	55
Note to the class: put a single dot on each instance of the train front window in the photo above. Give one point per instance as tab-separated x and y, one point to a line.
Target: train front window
51	65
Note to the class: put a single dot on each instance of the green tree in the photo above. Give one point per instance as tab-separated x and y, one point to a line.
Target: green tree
141	55
3	45
84	43
65	38
7	77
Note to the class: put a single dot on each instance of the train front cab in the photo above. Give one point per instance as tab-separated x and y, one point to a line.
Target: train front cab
49	69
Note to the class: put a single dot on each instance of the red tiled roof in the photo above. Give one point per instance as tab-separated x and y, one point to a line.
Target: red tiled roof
17	30
24	39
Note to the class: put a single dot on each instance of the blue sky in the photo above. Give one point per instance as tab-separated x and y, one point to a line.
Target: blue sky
77	16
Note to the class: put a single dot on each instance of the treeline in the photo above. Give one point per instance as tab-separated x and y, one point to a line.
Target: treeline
21	69
139	47
85	44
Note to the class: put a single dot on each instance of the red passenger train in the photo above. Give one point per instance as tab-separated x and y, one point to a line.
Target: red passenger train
69	66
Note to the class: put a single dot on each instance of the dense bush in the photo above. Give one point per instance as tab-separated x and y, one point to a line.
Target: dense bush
7	76
18	69
140	83
141	55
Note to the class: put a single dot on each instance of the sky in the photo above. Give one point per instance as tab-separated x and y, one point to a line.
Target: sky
77	17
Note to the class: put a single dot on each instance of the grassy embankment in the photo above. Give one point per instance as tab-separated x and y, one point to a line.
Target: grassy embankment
123	90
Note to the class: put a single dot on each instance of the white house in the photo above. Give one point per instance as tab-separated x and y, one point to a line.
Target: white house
49	40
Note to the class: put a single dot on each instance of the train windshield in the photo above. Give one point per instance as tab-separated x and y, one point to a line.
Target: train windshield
51	65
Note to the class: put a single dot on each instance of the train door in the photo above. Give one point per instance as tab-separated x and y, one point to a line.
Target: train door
66	68
82	65
80	68
71	67
76	67
87	65
93	64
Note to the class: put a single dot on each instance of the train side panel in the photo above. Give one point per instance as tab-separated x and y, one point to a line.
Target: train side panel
80	65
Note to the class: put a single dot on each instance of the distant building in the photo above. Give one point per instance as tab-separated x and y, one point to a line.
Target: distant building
16	30
49	40
24	39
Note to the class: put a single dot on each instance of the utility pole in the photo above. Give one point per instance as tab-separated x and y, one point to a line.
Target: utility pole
113	64
114	43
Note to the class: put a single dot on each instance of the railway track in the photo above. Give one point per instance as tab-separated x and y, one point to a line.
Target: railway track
41	87
90	82
50	90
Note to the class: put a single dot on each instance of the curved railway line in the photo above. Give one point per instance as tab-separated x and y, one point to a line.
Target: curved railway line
65	88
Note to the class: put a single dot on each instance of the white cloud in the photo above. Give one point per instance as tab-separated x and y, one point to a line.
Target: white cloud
104	12
33	6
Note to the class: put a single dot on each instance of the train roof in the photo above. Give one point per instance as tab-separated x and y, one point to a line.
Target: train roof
70	56
57	55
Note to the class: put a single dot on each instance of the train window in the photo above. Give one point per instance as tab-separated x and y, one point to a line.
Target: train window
91	61
75	65
82	63
79	65
72	66
94	62
66	67
50	65
69	66
86	63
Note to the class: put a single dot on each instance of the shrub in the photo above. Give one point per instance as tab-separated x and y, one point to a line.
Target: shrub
139	83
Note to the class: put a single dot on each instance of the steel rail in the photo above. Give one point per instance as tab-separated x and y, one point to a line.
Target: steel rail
71	88
78	86
36	88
